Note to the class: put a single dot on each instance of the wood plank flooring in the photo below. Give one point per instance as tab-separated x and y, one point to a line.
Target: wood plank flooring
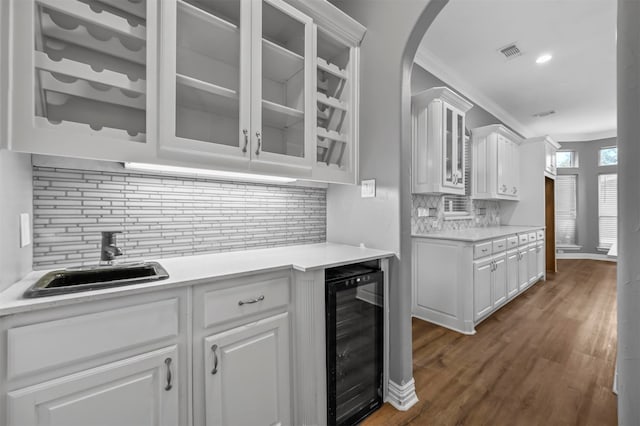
546	358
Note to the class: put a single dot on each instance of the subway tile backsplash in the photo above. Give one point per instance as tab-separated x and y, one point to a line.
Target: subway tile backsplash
163	216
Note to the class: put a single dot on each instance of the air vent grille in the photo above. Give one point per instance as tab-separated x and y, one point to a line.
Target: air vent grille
544	113
510	51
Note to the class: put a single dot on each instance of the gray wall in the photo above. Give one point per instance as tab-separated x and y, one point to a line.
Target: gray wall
394	30
16	196
587	196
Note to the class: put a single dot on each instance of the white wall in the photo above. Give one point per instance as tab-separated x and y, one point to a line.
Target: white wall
394	30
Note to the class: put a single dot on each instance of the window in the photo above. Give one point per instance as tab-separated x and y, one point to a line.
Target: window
456	205
608	156
566	211
607	210
566	159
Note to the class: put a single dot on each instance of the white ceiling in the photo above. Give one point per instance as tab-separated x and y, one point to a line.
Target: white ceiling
461	48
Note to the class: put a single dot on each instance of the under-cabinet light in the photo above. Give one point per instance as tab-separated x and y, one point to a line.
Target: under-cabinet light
543	58
206	172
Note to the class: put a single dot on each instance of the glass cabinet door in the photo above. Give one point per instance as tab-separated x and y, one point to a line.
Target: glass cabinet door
281	81
211	60
453	149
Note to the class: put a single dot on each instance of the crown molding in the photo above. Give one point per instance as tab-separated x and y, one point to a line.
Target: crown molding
435	66
585	137
332	19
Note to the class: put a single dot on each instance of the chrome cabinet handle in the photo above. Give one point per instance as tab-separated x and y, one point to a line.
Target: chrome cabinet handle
214	348
250	301
259	143
246	140
168	364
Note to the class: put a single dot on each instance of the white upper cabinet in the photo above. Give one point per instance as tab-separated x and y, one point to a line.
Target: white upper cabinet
496	163
265	86
550	149
438	116
83	78
237	85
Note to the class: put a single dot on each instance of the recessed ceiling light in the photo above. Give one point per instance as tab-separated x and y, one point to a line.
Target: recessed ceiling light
543	58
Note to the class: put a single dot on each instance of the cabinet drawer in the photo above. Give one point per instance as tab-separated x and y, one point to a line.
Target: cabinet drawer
540	234
482	249
52	344
512	242
523	239
499	245
245	299
532	237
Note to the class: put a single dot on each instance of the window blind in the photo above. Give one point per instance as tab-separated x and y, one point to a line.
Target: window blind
566	209
607	209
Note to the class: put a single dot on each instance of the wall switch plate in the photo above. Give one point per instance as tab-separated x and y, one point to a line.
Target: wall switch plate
368	188
25	230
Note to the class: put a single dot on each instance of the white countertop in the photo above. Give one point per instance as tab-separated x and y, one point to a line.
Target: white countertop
478	234
190	270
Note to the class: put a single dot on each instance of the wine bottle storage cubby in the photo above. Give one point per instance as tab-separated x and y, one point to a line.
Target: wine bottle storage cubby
90	66
333	103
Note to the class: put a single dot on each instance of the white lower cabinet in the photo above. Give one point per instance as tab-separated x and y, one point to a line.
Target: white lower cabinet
482	303
512	273
242	352
247	374
532	263
113	362
458	283
137	391
540	260
489	285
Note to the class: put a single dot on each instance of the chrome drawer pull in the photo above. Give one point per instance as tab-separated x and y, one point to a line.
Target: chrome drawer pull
168	364
259	143
214	348
250	301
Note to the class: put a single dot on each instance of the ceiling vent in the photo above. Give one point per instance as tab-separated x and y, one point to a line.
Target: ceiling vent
510	51
544	113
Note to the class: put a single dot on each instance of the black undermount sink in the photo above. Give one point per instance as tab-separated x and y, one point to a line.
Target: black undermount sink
96	277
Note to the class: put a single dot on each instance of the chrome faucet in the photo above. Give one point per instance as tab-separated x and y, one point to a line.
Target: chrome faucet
108	250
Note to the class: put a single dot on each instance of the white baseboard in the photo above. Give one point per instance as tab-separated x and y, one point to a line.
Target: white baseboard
402	397
588	256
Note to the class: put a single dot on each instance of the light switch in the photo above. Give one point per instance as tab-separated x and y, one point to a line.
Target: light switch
368	188
25	230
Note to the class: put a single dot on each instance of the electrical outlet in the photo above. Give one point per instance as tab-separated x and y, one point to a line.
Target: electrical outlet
25	230
368	188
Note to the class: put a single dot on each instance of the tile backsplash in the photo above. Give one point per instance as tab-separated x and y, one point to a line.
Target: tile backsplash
483	213
164	216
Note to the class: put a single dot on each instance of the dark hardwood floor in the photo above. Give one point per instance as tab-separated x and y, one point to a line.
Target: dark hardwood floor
546	358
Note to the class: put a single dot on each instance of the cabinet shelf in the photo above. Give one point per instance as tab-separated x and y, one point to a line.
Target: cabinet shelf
81	36
73	127
204	97
103	19
331	102
85	72
206	87
135	8
278	63
84	89
330	134
331	69
223	38
280	116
